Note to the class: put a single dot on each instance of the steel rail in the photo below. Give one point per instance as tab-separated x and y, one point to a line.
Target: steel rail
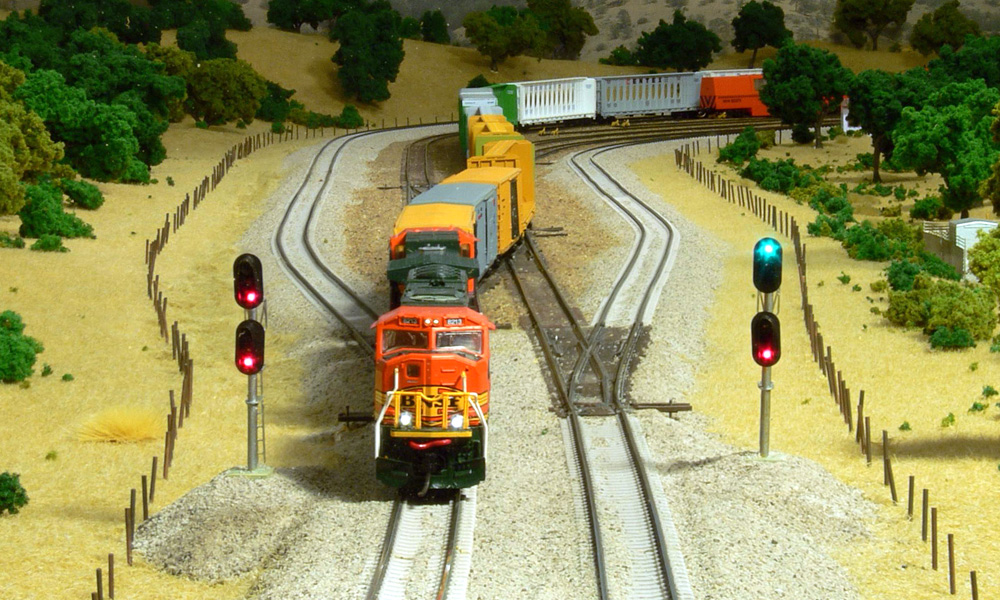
589	487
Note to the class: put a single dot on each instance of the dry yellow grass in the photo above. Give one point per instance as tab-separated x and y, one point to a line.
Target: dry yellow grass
121	424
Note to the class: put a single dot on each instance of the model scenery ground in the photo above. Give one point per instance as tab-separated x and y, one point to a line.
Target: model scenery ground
89	308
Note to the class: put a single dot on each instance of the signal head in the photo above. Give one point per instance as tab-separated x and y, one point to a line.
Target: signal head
249	347
765	339
248	281
767	265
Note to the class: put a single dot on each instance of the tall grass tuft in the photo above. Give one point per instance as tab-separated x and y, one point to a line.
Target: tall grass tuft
121	424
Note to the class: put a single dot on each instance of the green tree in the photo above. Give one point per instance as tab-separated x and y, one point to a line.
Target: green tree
206	39
759	24
976	59
370	51
565	27
434	27
950	135
17	351
99	139
682	45
946	25
26	151
224	90
804	84
859	18
126	20
876	107
12	494
27	41
503	32
984	260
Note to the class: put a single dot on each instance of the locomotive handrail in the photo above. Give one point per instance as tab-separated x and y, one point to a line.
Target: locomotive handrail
385	407
479	413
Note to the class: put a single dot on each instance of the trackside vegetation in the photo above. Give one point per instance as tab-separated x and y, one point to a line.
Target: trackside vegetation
17	351
12	494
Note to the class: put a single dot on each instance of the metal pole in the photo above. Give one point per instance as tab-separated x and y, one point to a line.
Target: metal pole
252	422
765	393
252	404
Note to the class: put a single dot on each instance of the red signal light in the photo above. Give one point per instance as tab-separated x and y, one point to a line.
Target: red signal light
249	347
765	339
248	281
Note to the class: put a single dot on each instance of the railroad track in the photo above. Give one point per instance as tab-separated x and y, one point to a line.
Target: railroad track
607	451
416	174
427	551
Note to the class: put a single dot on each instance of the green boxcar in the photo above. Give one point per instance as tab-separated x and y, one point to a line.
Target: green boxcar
506	94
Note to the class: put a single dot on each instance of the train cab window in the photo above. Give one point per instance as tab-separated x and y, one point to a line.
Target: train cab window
412	370
468	341
394	339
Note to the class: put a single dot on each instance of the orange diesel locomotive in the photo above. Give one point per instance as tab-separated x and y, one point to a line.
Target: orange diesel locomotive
432	356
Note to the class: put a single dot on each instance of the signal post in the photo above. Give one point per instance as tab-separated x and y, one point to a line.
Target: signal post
765	329
248	287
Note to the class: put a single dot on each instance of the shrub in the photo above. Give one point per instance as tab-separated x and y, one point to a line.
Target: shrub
891	239
905	426
930	208
933	304
43	213
948	421
9	241
49	243
933	265
802	133
978	407
12	494
899	192
742	149
901	273
350	118
478	81
121	424
67	377
879	286
891	211
83	194
780	176
17	351
277	127
826	226
844	278
834	132
989	391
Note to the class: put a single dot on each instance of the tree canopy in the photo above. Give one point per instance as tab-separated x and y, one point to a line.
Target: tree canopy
759	24
503	32
950	135
370	52
565	27
859	18
223	90
291	15
946	25
434	27
803	85
682	45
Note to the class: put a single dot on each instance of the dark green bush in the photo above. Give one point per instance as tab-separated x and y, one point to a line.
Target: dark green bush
310	119
12	494
43	213
742	149
478	81
802	133
779	176
136	172
930	208
82	193
17	351
277	127
933	265
275	106
891	239
831	200
49	243
901	274
350	118
827	226
948	338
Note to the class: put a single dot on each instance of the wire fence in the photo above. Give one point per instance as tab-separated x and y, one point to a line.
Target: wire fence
785	224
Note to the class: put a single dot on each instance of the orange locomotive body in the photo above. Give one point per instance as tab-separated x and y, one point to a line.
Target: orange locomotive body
432	357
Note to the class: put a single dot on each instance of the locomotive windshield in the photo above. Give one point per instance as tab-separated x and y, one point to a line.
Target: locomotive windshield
394	339
469	341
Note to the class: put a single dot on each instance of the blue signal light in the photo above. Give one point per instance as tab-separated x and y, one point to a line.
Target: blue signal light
767	265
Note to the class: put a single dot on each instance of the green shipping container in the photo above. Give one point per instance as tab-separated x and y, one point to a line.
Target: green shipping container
506	94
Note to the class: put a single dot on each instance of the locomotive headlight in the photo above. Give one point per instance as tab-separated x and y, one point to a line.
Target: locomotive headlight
405	418
456	421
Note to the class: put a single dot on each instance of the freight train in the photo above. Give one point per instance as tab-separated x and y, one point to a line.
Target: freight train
735	92
432	350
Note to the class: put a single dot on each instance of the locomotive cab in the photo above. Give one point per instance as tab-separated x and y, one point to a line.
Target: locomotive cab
431	400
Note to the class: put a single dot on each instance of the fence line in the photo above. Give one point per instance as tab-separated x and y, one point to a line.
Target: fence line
782	222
